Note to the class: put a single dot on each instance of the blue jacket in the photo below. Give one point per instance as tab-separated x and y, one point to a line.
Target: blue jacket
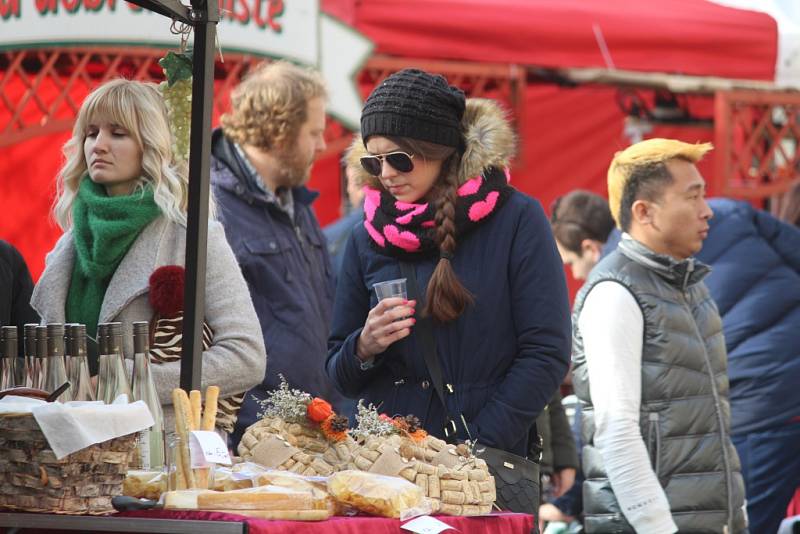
755	281
288	272
506	354
337	234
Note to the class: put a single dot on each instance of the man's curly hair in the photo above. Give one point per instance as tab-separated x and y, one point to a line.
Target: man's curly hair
270	105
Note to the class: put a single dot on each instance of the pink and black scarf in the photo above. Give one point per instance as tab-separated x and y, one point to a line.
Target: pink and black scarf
406	230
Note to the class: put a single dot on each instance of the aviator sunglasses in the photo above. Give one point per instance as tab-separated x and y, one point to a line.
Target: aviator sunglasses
400	161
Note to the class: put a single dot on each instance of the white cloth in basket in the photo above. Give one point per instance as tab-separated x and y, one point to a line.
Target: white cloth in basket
73	426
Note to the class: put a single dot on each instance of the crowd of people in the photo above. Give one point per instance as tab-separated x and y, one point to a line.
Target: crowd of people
681	341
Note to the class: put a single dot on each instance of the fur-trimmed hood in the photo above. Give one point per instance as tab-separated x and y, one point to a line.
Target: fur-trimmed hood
488	137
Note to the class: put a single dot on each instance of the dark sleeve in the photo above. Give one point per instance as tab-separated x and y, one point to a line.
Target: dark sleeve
540	309
563	444
350	310
784	238
21	289
21	311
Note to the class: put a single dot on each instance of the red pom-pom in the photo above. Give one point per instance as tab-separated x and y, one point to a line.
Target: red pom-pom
166	290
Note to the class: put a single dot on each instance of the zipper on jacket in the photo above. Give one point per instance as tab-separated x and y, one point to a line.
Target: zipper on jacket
688	273
717	404
654	441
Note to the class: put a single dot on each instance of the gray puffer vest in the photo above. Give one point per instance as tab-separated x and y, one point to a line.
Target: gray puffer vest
685	415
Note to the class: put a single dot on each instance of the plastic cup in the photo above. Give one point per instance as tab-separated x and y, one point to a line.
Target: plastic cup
391	288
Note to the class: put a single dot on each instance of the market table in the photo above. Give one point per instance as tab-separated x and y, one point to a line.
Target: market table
189	521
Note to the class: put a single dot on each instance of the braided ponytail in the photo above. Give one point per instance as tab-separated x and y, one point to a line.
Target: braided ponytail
447	298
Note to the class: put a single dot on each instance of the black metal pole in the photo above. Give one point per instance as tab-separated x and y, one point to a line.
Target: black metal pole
204	16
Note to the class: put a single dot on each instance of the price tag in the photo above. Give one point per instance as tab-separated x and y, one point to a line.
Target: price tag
426	524
207	447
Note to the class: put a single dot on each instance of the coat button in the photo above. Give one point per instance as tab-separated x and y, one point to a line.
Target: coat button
425	384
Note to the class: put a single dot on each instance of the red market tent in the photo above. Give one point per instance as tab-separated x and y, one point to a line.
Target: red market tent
568	134
677	36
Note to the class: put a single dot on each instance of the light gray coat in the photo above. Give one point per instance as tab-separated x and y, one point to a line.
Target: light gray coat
235	362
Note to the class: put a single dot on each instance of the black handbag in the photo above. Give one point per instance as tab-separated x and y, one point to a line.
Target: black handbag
516	478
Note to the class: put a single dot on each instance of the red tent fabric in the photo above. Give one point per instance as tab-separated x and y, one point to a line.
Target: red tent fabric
568	135
678	36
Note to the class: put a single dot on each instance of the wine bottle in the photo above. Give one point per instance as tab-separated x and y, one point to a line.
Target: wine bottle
41	355
151	441
56	369
79	364
103	381
118	375
8	357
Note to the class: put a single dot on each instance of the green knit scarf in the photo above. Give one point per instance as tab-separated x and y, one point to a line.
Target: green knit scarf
103	229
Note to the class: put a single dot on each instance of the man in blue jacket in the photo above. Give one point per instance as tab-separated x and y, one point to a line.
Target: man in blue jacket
261	159
755	281
338	232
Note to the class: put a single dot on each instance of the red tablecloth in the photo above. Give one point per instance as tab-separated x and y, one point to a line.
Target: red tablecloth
501	523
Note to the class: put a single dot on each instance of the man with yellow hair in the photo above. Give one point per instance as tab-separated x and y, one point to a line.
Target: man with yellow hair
649	360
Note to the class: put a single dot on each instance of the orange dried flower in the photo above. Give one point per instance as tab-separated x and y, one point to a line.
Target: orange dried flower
319	410
334	427
418	436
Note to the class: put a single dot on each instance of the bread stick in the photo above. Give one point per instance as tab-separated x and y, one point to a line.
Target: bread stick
208	421
195	402
210	410
182	417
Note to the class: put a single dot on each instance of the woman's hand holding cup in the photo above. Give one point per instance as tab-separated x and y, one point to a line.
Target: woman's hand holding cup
389	321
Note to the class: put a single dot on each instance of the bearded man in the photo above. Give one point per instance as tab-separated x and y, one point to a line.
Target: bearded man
261	159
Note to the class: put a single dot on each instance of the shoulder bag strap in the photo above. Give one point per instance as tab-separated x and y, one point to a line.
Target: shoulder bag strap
424	329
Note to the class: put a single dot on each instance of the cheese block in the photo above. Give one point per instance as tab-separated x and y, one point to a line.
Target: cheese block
144	484
261	498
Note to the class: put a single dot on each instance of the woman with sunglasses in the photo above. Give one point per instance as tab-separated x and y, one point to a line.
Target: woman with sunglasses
488	275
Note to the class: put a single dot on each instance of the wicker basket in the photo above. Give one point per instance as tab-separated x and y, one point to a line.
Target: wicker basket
301	449
32	479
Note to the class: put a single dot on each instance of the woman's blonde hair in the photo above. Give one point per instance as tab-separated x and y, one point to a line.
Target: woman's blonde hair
271	104
139	108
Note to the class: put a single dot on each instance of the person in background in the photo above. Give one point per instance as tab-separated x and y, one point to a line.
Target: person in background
16	287
122	202
261	160
339	231
582	224
755	282
559	462
438	201
649	359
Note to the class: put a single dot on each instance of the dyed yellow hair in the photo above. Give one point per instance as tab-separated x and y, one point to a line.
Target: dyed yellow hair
643	153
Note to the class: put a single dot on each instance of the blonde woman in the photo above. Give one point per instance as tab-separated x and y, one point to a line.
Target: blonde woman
122	204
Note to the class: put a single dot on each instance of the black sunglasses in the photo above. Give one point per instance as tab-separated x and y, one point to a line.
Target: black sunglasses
399	161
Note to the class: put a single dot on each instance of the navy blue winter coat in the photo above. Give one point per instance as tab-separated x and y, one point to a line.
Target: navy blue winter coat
755	281
337	233
505	355
289	274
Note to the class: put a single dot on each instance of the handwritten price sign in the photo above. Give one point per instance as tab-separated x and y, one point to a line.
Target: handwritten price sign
206	448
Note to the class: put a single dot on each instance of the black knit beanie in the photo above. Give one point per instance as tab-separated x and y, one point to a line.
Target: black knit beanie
417	105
